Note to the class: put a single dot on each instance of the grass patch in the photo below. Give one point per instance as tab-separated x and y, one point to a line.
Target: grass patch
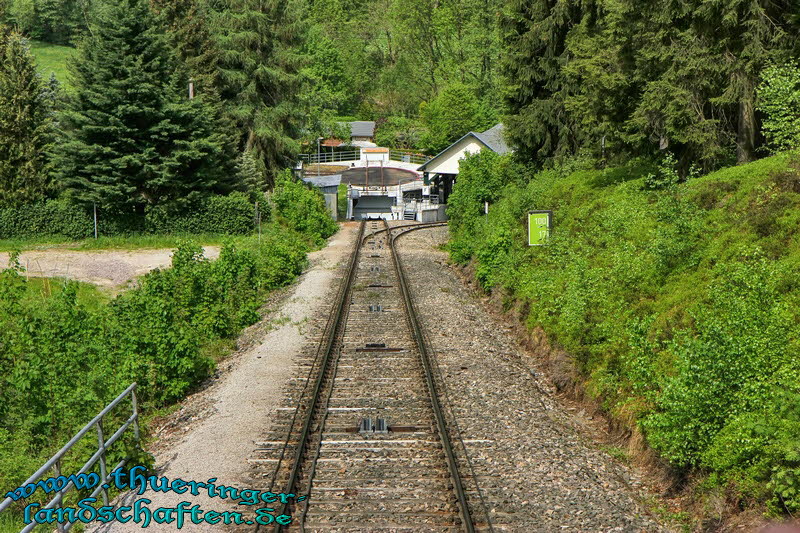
11	524
218	349
135	242
34	243
617	453
52	59
147	241
89	296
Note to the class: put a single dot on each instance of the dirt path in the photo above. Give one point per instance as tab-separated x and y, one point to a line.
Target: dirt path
213	433
111	269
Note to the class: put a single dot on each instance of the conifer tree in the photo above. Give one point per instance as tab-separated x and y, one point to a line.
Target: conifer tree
188	25
25	117
535	33
701	62
259	77
132	137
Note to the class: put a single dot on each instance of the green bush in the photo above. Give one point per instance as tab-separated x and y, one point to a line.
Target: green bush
779	100
62	360
226	215
399	132
679	304
302	209
54	217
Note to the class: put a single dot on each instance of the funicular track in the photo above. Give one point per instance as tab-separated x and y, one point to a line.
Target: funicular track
368	441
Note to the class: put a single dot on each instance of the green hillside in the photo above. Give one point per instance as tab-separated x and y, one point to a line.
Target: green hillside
678	307
52	59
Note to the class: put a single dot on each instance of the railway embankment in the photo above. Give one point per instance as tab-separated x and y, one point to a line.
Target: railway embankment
667	305
535	463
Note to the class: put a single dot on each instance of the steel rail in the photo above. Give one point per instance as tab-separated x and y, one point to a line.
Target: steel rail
416	328
326	331
329	344
424	225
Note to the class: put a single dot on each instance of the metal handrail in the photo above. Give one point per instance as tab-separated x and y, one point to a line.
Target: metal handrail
54	462
408	157
328	157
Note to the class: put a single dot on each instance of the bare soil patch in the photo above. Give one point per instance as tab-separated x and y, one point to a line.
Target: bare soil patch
111	269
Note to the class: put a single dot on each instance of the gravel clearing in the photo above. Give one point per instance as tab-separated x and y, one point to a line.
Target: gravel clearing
111	269
213	432
535	469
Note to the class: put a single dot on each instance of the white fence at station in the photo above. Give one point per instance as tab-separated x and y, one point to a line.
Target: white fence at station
357	155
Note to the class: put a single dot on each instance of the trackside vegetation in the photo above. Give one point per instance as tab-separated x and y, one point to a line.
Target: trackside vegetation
65	353
233	214
678	306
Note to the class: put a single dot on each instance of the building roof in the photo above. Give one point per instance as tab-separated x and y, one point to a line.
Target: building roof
362	144
324	181
493	139
362	128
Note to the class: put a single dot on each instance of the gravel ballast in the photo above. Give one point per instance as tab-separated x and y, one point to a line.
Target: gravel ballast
535	471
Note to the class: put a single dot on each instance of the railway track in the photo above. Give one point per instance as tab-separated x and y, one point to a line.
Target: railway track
367	441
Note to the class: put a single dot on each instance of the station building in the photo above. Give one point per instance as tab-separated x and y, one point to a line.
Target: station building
396	185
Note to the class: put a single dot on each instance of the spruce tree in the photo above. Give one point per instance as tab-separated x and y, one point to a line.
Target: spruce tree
25	117
188	25
700	63
132	137
535	33
259	77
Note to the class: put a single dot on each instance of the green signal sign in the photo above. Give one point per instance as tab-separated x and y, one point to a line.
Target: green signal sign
539	226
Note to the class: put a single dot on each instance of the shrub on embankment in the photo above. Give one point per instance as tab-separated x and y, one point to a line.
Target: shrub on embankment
233	214
302	209
62	360
679	306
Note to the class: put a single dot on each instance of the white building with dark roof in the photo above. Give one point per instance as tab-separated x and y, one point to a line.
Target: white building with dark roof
362	130
443	168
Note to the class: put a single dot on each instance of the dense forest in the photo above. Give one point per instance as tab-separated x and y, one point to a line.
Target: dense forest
662	132
604	80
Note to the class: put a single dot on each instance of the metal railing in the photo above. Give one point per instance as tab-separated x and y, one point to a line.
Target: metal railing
403	156
54	462
328	157
408	157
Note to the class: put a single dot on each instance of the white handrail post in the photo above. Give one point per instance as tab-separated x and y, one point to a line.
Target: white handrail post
101	442
60	495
